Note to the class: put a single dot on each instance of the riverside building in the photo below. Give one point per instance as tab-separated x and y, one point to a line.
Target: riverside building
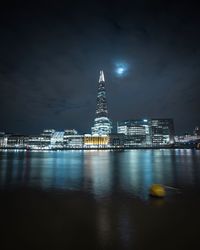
147	132
3	140
95	141
71	139
42	141
162	131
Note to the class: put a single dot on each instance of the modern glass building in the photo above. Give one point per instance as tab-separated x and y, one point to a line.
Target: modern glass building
147	132
137	132
162	131
102	124
57	139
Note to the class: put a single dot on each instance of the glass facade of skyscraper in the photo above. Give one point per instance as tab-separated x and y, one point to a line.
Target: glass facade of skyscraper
102	124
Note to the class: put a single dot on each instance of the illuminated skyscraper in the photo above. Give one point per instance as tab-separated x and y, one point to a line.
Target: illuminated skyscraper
102	124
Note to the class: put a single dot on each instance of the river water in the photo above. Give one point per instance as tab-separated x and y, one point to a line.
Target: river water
99	199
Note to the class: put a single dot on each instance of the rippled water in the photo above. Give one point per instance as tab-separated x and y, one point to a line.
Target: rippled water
99	199
101	173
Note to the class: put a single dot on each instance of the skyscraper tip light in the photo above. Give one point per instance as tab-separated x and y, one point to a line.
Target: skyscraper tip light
101	77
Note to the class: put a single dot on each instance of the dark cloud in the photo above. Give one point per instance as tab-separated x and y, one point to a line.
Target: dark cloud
51	54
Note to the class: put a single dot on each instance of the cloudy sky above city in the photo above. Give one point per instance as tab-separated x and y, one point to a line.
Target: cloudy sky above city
51	54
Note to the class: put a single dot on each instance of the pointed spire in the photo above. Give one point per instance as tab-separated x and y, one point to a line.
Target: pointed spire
101	77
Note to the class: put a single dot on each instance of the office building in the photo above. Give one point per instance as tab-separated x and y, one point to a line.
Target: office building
147	132
137	132
162	131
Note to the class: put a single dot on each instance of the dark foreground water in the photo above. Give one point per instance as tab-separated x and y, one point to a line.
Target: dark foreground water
99	199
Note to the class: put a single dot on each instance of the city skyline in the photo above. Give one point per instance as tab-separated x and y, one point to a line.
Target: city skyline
50	56
102	125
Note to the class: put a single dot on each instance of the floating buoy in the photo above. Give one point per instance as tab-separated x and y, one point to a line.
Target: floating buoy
157	190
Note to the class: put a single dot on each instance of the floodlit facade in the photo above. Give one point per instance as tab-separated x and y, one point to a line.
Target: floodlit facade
94	141
102	124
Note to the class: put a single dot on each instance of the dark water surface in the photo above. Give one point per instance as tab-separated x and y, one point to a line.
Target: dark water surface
99	199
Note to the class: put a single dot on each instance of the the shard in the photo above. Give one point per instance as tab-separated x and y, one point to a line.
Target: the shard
102	124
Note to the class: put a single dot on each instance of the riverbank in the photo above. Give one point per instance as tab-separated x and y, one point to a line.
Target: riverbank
37	219
92	148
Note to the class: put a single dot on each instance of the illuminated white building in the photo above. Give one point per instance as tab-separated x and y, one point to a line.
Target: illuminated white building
57	139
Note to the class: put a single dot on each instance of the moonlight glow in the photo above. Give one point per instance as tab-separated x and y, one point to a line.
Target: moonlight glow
121	69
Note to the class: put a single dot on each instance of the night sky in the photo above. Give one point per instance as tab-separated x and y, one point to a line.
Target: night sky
51	55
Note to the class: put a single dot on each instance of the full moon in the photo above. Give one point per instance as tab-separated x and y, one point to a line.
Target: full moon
121	69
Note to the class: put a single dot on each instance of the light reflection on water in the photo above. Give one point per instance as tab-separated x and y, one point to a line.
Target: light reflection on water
101	173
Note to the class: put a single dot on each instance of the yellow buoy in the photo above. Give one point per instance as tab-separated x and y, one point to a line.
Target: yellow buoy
157	190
